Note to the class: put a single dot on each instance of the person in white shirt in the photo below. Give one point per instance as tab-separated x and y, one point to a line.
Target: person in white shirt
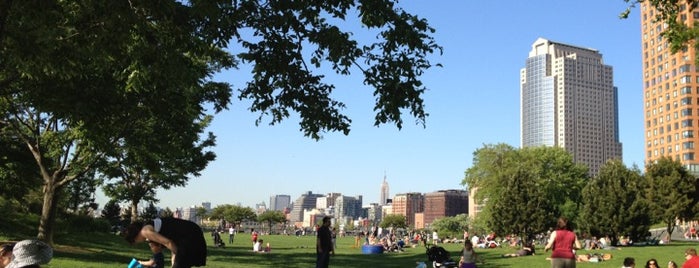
257	247
231	234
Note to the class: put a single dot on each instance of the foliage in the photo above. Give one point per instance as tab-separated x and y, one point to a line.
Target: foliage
524	190
614	203
112	212
232	213
90	81
394	220
282	29
18	173
150	212
167	212
81	194
672	192
451	226
271	217
86	223
201	213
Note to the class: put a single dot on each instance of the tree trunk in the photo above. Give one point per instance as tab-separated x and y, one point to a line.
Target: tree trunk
134	211
48	212
670	228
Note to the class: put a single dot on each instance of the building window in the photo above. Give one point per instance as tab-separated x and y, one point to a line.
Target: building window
686	123
688	145
688	134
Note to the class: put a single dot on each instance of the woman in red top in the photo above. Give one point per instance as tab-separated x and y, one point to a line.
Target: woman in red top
563	241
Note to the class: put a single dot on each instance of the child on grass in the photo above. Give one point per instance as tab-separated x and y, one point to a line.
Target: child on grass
158	260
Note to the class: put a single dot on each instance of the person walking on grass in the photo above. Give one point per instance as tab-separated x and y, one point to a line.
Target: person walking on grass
563	241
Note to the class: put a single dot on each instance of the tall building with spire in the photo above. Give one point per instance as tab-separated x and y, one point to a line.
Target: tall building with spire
670	91
569	100
384	191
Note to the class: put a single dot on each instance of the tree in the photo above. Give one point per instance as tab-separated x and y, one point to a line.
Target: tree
524	190
672	192
394	221
167	212
614	203
232	213
271	217
77	80
112	212
201	213
150	212
18	176
135	172
81	193
451	226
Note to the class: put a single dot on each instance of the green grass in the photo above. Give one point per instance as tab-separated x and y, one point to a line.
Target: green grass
107	250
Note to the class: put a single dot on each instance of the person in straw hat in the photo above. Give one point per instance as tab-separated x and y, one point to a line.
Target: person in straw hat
30	253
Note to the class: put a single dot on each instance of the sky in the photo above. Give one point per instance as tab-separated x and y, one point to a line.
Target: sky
472	100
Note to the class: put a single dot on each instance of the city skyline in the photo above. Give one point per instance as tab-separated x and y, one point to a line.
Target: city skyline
472	100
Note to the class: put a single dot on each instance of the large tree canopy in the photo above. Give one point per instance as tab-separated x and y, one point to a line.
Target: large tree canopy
524	190
673	192
89	81
614	203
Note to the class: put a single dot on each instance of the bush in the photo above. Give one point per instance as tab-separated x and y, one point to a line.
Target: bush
83	223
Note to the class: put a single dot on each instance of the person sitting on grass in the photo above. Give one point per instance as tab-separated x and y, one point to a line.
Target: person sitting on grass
527	249
158	259
258	247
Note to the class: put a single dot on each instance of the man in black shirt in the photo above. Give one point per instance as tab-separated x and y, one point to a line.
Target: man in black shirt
324	244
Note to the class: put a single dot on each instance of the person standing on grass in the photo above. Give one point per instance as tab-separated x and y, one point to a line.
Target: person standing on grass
563	241
253	235
231	234
324	245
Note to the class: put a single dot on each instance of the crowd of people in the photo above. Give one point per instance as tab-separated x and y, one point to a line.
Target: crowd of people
185	242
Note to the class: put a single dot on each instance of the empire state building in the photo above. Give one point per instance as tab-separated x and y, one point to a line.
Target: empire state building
384	192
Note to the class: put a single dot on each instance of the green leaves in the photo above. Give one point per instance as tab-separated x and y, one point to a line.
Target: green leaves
283	76
394	221
614	204
524	190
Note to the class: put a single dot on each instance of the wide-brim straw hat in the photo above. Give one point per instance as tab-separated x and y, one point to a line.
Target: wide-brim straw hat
30	252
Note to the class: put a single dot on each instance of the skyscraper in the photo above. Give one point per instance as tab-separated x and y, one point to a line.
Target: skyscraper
305	201
568	100
670	92
279	202
384	191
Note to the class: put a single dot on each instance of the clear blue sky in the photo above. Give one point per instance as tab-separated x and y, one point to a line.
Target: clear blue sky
473	100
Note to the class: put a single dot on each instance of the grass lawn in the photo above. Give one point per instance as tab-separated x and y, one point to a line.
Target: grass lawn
107	250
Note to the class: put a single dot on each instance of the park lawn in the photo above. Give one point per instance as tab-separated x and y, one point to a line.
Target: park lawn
108	250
